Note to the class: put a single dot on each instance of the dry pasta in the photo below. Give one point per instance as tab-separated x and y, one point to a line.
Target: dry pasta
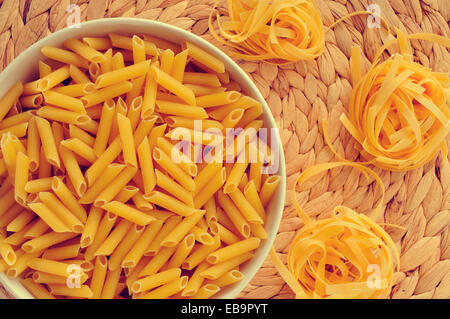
105	192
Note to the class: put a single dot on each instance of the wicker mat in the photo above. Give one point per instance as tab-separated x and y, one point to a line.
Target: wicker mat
300	95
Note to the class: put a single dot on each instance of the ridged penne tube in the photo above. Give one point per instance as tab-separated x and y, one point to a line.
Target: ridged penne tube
175	171
200	90
63	252
76	132
252	196
106	93
157	262
228	278
10	98
21	178
90	229
21	264
107	223
231	120
245	207
39	185
20	221
64	101
205	79
19	130
40	277
226	236
134	112
47	240
125	246
48	141
95	112
177	121
53	79
210	188
138	47
167	290
182	252
169	225
233	250
121	108
126	136
169	185
149	99
75	90
109	174
118	61
202	236
174	86
234	214
195	281
124	42
135	254
146	165
115	186
32	101
84	50
94	70
235	176
50	266
166	58
77	75
98	43
200	253
37	229
204	58
106	158
114	238
217	99
177	156
68	199
7	252
122	75
127	212
106	66
73	170
219	269
49	217
181	230
98	276
184	110
64	56
63	290
170	203
268	189
80	148
153	281
140	202
37	290
211	211
126	193
179	65
205	175
61	211
206	291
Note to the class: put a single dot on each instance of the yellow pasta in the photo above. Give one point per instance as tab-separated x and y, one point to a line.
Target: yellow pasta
112	165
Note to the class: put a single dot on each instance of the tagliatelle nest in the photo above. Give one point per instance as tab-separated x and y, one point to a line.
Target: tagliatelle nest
399	110
277	31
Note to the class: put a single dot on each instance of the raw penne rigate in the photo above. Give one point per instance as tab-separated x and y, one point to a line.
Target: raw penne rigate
137	168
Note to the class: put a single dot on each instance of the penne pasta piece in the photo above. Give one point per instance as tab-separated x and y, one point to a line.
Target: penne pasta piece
107	157
206	291
60	115
228	278
37	290
98	43
170	203
184	110
156	280
233	250
179	65
195	281
204	79
45	241
157	262
114	238
122	75
77	75
50	266
200	253
106	93
10	98
169	185
204	58
167	290
129	213
126	137
124	42
135	254
68	199
181	230
63	290
20	221
116	186
210	189
73	170
98	276
76	132
146	165
125	246
48	141
61	212
63	252
64	56
234	214
219	269
80	148
21	178
53	79
104	128
84	50
182	252
245	207
64	101
91	227
107	223
48	217
169	225
202	236
172	85
268	189
217	99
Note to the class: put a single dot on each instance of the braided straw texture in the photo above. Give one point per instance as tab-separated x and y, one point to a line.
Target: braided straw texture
301	95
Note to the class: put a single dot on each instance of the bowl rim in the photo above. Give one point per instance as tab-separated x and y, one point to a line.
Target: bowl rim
15	288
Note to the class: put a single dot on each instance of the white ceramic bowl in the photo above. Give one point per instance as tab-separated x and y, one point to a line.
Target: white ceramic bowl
25	68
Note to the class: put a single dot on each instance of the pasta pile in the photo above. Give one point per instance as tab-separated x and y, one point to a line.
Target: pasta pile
277	31
399	110
97	200
344	256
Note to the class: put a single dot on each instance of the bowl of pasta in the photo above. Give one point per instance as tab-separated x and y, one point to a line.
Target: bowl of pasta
137	160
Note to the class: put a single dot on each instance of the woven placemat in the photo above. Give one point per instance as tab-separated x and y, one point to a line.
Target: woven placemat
300	95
